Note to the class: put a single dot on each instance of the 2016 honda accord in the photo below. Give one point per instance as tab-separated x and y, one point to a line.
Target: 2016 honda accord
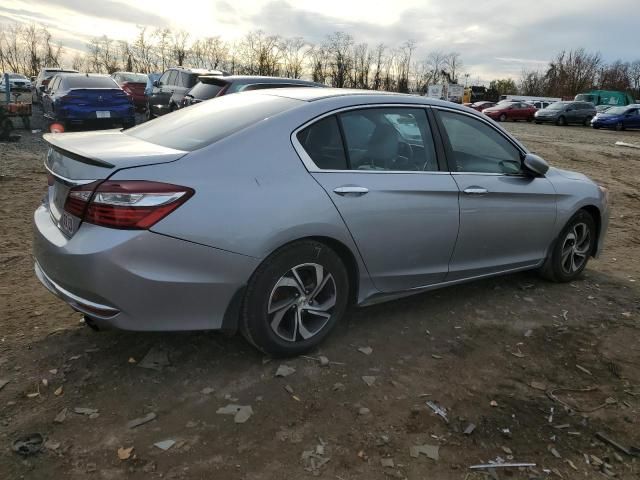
271	211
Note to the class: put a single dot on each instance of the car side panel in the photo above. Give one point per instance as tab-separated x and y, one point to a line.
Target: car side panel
253	174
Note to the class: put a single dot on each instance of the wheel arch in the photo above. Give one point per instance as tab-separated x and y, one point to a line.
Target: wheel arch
597	218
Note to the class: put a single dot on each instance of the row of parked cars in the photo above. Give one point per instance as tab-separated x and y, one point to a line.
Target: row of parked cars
72	98
563	113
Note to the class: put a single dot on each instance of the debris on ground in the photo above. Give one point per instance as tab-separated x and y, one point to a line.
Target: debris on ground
369	380
625	144
241	413
155	359
314	460
431	451
338	387
51	445
29	444
124	453
365	350
606	439
470	428
324	361
552	395
436	357
85	411
493	403
3	382
165	444
438	410
61	416
554	452
285	371
501	465
387	462
58	391
207	391
136	422
364	411
584	370
538	385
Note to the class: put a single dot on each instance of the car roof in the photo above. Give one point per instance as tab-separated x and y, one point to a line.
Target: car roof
199	71
259	78
314	94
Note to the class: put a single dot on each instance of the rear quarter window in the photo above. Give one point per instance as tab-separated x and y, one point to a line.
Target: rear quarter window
203	124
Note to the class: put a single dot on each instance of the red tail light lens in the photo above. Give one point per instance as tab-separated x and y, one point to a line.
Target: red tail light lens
126	204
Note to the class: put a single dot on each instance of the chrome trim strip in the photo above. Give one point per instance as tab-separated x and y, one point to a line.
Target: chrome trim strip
66	180
384	297
74	300
312	167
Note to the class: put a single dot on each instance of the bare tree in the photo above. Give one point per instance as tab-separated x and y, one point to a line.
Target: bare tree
294	52
163	47
179	46
454	66
533	83
338	47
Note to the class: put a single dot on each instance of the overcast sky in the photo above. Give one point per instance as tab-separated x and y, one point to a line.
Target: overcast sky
496	38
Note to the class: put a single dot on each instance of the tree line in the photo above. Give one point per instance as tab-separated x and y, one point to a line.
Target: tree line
338	60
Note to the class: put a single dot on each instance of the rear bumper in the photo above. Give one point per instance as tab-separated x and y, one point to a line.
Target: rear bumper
138	280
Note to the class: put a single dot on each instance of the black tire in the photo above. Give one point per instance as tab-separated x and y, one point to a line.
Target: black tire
538	122
255	323
587	121
596	127
553	268
619	127
561	121
530	119
502	118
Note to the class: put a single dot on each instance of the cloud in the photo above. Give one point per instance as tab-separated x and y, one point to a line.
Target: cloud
109	9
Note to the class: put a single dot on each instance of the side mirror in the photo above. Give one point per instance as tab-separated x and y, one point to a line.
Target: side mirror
535	164
157	83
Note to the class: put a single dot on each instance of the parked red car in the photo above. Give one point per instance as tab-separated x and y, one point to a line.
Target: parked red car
133	85
479	106
511	111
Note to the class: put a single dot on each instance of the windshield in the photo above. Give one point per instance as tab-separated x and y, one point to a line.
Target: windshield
133	77
206	90
584	97
617	110
89	82
557	106
16	75
207	122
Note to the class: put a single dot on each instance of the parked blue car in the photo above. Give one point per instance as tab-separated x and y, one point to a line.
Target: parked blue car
88	100
619	118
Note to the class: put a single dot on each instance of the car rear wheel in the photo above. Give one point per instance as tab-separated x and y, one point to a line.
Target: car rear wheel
619	126
587	121
503	118
294	299
572	249
561	121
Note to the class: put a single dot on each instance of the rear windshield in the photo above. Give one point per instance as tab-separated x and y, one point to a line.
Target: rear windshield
205	91
205	123
89	82
133	77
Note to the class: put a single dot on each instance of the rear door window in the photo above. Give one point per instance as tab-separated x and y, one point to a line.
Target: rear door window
173	75
323	143
205	91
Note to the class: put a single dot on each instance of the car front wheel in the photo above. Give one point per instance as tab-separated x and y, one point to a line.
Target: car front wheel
294	299
503	118
572	250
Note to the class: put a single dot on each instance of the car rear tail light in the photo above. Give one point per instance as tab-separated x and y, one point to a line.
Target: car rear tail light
126	204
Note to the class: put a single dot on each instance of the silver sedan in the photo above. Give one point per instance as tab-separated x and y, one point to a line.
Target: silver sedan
270	212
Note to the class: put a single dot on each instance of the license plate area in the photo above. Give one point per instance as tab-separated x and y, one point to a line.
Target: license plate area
103	114
67	224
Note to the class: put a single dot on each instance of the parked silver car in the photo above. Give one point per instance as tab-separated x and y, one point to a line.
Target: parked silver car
271	211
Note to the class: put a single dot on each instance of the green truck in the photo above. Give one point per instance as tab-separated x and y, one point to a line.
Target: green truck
606	97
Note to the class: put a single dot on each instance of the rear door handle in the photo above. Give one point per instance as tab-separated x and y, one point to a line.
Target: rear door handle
351	191
476	191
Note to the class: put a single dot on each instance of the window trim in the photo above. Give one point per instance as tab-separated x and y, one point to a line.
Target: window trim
313	168
447	146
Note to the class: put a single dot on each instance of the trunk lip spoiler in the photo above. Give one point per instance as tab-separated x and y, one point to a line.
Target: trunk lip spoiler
65	180
54	143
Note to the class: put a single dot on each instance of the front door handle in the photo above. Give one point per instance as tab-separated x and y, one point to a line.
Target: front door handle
476	191
350	191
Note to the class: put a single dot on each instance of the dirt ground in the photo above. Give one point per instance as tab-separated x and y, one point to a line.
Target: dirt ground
485	351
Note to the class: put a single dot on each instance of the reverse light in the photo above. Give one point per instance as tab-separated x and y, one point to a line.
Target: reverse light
126	204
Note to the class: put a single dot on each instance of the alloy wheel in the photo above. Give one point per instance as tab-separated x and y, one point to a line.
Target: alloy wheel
575	248
302	302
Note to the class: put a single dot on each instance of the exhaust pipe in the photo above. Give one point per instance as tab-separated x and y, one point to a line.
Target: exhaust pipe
91	324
